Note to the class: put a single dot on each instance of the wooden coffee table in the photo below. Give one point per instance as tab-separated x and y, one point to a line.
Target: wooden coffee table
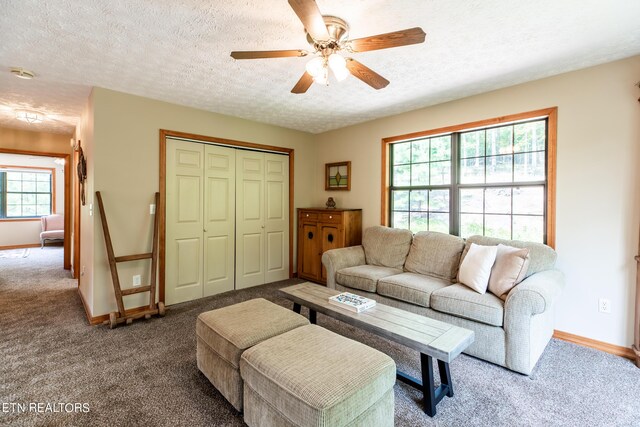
432	338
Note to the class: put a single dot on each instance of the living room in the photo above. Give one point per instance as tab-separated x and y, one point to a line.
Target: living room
593	88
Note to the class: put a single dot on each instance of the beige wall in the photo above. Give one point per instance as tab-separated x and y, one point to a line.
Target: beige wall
124	162
84	134
13	233
39	142
598	195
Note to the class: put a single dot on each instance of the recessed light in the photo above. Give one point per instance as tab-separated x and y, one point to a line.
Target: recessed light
30	117
21	73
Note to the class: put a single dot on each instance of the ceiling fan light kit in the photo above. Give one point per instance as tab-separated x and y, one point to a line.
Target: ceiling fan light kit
329	35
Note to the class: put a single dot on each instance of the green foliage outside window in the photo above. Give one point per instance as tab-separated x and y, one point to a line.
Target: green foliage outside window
489	181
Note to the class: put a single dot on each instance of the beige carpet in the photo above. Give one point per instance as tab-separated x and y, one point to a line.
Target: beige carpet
15	253
146	375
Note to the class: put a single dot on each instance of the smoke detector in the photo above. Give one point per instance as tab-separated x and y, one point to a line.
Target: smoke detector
21	73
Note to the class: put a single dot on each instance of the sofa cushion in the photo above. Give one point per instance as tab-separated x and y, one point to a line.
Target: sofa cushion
386	247
542	257
411	287
56	234
435	254
364	277
458	300
509	269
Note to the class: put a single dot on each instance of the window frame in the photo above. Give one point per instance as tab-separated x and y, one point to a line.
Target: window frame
35	169
550	114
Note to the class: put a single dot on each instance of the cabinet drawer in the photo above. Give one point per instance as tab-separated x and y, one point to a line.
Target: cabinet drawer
331	217
308	215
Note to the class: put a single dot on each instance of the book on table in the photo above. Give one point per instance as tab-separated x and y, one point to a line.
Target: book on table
352	302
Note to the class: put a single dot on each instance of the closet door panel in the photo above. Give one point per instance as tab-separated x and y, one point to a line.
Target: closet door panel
219	214
184	221
277	217
250	216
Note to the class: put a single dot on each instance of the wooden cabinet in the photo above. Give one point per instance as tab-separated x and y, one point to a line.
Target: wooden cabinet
320	230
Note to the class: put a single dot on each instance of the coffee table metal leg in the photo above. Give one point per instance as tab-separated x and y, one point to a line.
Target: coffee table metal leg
431	394
296	307
428	388
445	377
312	316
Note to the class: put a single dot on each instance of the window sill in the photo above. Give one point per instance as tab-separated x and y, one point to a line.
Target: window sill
19	219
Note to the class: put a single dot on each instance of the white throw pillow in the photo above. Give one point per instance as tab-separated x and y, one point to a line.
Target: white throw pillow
510	268
475	269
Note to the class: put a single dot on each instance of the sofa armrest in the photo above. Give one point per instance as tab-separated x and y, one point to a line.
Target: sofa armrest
535	294
337	259
529	319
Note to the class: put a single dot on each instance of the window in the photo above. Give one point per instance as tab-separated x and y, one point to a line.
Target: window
492	178
421	184
25	194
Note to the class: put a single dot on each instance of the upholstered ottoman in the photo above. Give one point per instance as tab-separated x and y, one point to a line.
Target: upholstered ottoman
313	377
223	335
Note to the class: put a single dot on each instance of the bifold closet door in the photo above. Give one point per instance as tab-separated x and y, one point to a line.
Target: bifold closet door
201	205
219	219
276	217
184	222
262	218
249	219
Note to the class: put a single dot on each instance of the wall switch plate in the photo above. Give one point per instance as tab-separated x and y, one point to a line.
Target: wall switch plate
604	305
90	209
152	209
136	280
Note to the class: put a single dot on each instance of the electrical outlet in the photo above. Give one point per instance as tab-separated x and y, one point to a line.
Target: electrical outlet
152	209
136	280
604	305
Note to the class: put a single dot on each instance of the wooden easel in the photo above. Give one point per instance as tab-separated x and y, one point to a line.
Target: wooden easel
122	315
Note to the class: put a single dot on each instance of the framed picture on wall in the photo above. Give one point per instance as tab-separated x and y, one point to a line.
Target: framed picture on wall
337	176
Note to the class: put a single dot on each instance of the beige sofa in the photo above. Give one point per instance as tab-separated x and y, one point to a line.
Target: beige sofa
419	274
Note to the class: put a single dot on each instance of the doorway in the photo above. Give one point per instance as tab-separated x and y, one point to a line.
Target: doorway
24	179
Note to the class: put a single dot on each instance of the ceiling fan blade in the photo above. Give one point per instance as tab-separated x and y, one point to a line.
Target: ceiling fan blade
385	41
309	14
256	54
366	74
303	84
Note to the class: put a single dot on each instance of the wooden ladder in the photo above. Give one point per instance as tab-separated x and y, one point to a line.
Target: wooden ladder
122	315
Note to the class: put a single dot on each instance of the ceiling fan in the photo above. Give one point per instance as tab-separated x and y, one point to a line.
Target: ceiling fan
329	35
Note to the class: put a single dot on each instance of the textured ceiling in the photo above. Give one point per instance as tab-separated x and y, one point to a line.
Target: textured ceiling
178	51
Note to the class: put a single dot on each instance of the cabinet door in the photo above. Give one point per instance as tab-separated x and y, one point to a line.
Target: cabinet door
308	242
332	238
